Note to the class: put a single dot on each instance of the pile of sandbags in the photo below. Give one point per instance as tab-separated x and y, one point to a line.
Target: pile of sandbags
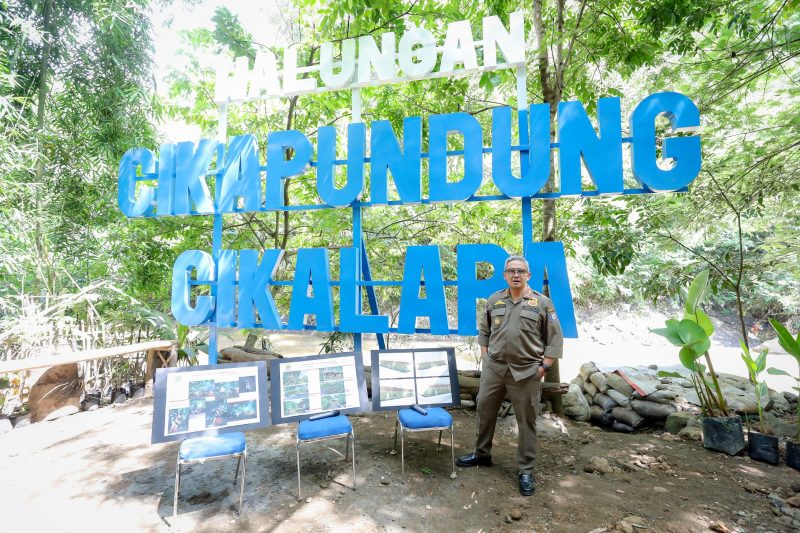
626	399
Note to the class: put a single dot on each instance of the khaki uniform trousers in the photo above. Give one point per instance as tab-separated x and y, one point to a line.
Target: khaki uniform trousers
525	396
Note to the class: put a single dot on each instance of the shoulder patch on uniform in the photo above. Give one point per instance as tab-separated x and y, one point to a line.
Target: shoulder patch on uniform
553	317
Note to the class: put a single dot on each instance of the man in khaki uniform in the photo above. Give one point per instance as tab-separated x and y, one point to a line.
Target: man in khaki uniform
520	337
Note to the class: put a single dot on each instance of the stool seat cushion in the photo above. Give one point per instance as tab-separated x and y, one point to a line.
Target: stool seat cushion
324	427
437	417
214	446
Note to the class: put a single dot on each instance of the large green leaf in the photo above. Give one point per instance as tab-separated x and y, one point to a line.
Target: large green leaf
671	332
696	291
778	372
694	337
688	357
786	340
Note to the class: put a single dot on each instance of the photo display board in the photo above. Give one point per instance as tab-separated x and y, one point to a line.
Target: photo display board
304	386
206	400
427	377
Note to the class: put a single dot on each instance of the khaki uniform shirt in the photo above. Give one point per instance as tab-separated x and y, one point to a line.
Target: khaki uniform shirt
520	334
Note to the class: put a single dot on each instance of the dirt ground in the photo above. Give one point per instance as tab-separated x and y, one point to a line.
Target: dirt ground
96	471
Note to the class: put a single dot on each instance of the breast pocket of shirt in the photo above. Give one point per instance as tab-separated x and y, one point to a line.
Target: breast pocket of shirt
497	316
529	320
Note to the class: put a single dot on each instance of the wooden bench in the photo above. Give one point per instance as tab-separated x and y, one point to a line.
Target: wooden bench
153	348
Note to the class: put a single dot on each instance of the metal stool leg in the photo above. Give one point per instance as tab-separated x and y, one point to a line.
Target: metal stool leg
238	463
402	455
353	444
243	460
177	488
396	423
452	449
297	449
347	447
439	445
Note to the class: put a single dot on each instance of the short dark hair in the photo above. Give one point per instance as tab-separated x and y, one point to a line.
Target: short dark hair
516	258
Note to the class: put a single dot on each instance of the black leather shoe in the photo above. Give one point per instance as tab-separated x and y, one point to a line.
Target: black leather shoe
472	459
526	487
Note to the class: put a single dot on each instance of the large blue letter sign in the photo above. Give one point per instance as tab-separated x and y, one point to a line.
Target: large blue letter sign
684	151
182	308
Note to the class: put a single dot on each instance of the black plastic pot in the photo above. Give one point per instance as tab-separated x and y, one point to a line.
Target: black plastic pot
137	390
723	434
91	401
763	447
119	396
793	454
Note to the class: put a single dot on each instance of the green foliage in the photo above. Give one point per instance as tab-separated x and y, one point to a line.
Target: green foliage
792	346
754	368
693	336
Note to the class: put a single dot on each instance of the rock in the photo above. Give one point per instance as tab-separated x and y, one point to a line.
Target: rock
22	421
621	399
790	396
575	405
384	481
794	501
516	514
428	507
589	388
623	527
686	384
467	404
635	521
308	500
508	519
465	396
651	409
599	465
662	386
691	432
599	381
5	425
586	370
779	403
618	383
660	490
677	421
779	428
57	388
796	485
719	526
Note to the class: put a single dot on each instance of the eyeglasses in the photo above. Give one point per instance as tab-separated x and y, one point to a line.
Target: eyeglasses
512	271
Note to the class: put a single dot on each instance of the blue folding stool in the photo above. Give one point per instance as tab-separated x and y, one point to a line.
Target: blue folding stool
214	447
332	427
437	419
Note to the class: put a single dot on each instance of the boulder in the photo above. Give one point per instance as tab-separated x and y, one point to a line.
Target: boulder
652	409
599	381
678	420
790	396
587	369
692	431
575	405
618	383
617	396
58	388
779	428
779	402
